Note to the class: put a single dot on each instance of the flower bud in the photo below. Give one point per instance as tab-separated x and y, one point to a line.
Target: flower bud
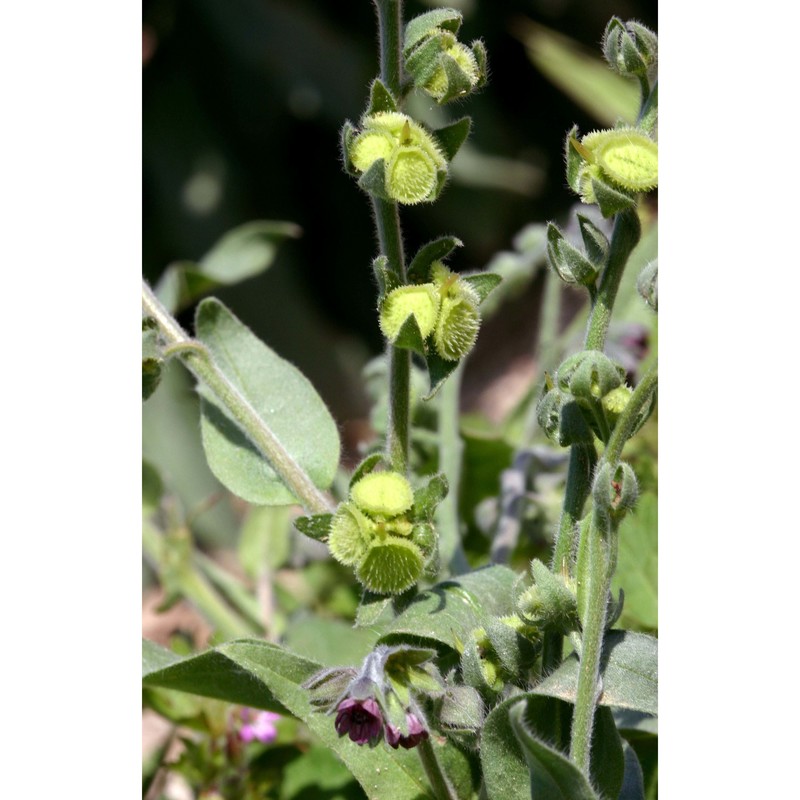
421	301
589	375
562	420
630	48
385	493
549	603
614	403
615	490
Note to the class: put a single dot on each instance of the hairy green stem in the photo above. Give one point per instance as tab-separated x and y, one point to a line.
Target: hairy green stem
198	360
594	584
390	239
648	117
442	788
628	420
627	231
390	31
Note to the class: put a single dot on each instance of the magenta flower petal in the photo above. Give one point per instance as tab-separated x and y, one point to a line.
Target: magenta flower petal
360	719
262	727
416	733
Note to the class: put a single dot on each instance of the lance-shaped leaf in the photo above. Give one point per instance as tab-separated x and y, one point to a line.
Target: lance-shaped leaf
386	277
483	283
241	253
451	137
629	670
280	394
380	98
315	526
263	675
633	779
594	240
569	263
437	250
439	370
553	775
612	200
427	497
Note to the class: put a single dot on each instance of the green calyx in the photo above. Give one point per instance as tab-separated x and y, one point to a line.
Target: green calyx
421	301
391	566
459	319
383	535
607	162
414	167
383	493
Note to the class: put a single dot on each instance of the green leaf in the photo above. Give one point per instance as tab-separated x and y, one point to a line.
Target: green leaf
151	357
633	781
241	253
637	564
329	641
553	775
439	370
583	77
315	526
280	394
263	675
423	25
607	757
629	669
483	283
436	250
387	278
246	251
451	137
380	98
427	497
447	613
611	200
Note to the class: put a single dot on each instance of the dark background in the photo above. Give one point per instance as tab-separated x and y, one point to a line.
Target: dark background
243	101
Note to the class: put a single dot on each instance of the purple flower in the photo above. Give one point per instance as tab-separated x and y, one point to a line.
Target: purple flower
262	727
360	718
416	733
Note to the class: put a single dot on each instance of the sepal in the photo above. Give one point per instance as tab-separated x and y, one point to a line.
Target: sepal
451	137
428	24
420	267
572	266
380	98
615	490
315	526
594	241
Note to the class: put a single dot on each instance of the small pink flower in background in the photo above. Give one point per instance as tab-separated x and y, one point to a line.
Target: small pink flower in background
258	725
416	733
361	719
